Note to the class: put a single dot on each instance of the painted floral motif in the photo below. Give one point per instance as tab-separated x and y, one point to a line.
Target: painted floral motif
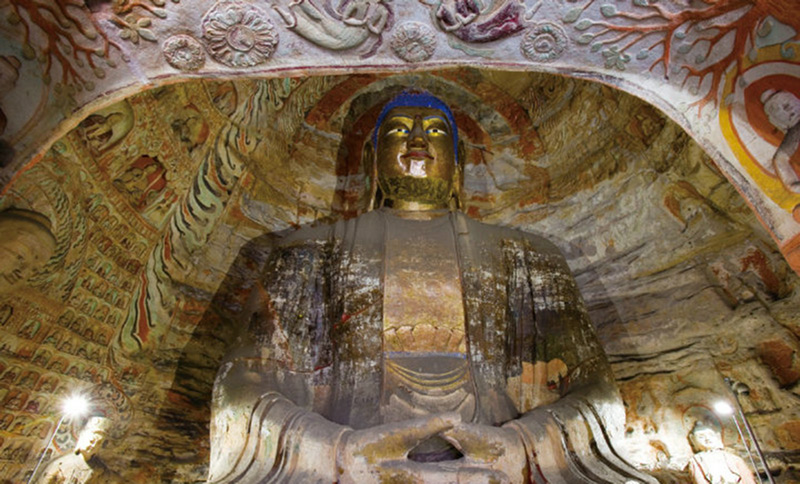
184	52
413	42
133	28
544	42
615	58
239	35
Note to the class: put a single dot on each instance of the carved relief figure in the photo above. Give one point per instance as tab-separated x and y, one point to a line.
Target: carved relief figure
107	127
480	21
646	124
711	463
27	243
28	379
190	127
29	329
34	405
15	400
783	111
346	25
413	344
144	183
41	357
10	375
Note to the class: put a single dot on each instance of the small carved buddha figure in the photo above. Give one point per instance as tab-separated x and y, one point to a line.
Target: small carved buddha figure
26	244
413	344
82	466
711	463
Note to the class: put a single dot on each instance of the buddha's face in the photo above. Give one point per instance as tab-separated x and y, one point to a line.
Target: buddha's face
24	247
416	156
703	439
89	441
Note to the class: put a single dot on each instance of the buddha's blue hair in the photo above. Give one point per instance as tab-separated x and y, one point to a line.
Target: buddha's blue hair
417	99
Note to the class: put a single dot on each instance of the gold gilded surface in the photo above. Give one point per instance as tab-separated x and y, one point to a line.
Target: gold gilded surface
423	308
416	158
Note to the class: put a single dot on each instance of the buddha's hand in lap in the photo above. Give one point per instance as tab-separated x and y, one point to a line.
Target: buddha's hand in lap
380	454
494	452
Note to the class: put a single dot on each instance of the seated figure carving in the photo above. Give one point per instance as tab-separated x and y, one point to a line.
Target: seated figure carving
413	344
82	466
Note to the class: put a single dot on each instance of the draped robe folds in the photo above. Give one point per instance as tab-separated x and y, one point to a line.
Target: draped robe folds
313	333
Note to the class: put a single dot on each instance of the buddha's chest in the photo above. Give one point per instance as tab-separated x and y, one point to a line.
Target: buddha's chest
426	369
423	310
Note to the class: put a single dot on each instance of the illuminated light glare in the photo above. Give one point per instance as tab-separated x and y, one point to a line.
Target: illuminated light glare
723	408
75	405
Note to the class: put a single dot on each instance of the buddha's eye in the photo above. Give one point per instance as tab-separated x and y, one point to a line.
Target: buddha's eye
435	131
398	130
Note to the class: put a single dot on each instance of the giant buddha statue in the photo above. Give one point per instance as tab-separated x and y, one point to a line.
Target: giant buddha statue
413	344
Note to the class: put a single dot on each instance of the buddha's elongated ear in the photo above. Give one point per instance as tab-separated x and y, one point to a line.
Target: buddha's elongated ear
462	153
369	165
457	199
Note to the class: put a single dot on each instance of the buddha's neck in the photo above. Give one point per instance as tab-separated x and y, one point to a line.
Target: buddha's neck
416	210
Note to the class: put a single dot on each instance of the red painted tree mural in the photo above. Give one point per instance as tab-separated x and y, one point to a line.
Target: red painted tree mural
719	34
70	33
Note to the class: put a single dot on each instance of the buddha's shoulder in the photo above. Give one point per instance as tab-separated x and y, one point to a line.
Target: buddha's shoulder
328	232
497	234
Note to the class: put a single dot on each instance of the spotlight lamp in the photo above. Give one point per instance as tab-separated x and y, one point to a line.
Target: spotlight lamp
723	408
75	405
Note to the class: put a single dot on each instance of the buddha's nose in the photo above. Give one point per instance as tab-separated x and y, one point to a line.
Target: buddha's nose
417	135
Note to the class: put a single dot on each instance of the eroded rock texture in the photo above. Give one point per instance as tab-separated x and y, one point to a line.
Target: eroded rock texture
151	199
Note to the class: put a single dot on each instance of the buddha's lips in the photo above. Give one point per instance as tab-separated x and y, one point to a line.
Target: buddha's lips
417	154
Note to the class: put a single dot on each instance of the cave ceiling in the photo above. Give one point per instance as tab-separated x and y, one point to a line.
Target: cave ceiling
150	200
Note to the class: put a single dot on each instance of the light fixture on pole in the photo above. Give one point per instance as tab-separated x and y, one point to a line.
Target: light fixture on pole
738	388
724	409
73	406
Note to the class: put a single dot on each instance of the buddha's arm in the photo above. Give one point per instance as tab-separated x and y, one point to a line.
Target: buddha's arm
257	432
571	438
564	441
568	439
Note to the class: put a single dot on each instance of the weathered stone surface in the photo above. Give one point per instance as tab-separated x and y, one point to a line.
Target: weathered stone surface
781	359
788	435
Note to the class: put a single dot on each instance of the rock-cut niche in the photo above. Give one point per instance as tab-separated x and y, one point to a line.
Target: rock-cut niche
151	199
